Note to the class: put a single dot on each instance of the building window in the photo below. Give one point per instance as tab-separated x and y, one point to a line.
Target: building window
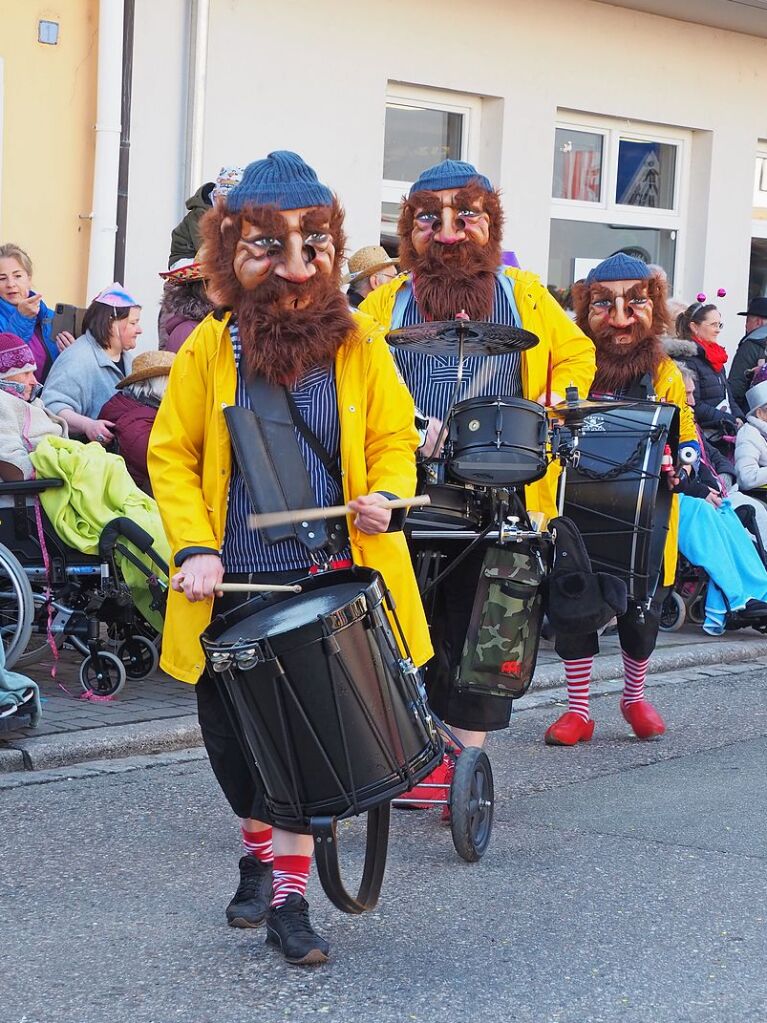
422	127
615	190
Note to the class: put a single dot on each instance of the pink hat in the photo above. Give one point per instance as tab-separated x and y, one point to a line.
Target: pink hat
116	296
15	356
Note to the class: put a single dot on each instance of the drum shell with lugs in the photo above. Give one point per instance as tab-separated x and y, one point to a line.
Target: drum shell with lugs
497	442
616	496
333	724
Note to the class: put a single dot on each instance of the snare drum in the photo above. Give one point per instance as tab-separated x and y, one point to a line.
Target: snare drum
452	507
497	442
332	715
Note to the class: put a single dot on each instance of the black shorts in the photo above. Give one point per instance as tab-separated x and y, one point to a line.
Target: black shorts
449	613
637	630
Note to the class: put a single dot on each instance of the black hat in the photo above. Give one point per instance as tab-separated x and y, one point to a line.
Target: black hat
756	307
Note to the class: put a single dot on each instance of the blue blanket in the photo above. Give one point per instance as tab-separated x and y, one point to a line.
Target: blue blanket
14	689
715	540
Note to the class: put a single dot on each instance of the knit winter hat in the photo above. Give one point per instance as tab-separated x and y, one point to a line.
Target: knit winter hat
15	356
619	267
283	180
449	174
757	396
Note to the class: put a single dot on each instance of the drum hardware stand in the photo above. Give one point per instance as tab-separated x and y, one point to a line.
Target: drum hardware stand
460	320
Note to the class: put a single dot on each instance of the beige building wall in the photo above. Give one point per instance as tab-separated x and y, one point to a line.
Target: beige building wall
313	77
47	141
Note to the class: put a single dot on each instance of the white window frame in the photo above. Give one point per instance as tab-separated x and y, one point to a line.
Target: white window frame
470	107
607	211
760	171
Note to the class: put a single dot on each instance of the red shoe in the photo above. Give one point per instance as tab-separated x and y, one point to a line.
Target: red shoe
441	775
569	730
645	721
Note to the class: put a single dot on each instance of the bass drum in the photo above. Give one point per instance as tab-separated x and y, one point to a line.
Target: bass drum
615	495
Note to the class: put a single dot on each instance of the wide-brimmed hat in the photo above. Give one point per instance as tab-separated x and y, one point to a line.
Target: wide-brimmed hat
756	307
185	271
148	364
367	261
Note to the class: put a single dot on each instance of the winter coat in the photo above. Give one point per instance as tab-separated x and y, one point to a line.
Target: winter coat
183	307
751	454
711	388
570	351
12	321
133	421
83	378
190	465
751	348
23	424
185	237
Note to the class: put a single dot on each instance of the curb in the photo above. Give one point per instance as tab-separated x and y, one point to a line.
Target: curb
117	742
170	734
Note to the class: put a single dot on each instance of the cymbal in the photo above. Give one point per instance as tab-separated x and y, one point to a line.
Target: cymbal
574	411
442	337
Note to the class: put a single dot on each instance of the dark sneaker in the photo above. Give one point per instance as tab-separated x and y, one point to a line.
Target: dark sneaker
254	893
288	926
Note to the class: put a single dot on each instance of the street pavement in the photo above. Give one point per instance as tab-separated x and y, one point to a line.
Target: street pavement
625	881
158	714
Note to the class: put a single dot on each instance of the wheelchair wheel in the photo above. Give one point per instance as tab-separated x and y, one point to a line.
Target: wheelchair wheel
696	612
471	804
103	675
17	606
672	613
139	656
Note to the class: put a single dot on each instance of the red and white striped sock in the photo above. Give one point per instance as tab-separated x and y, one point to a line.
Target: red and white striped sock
258	843
578	677
635	673
291	874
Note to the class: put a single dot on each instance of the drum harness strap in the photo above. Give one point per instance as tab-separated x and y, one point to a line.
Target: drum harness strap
273	467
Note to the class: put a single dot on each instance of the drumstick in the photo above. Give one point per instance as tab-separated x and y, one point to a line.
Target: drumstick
312	514
256	588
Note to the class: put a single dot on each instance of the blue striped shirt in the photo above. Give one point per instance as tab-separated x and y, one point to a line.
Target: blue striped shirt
431	378
244	549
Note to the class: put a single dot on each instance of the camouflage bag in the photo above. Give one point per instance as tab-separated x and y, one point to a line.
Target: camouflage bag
501	645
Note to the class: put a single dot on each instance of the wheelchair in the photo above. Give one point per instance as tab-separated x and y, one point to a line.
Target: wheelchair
52	595
687	600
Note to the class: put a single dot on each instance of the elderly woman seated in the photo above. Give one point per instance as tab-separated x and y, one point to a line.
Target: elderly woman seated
132	411
751	445
24	420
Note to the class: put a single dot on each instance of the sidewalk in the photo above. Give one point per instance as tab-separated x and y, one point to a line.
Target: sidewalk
158	714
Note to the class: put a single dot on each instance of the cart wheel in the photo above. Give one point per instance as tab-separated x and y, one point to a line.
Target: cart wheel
139	656
672	613
471	804
104	676
696	612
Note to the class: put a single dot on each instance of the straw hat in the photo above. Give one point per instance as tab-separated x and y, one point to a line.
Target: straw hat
366	262
148	364
184	271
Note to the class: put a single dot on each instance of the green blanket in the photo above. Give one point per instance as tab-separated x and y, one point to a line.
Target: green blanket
98	488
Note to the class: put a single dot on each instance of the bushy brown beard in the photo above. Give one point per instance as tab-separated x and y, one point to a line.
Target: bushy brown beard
450	279
620	366
278	342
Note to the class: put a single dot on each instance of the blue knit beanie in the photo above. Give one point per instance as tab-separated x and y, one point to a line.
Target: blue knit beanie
449	174
619	267
282	180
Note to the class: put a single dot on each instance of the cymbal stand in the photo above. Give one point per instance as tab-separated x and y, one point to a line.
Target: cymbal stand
442	435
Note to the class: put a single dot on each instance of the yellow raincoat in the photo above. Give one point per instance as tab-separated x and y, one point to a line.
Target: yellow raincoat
190	464
570	351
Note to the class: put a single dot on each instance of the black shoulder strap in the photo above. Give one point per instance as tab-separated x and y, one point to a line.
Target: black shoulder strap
332	465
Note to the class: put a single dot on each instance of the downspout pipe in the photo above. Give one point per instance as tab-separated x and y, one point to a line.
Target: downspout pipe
106	169
198	74
129	17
